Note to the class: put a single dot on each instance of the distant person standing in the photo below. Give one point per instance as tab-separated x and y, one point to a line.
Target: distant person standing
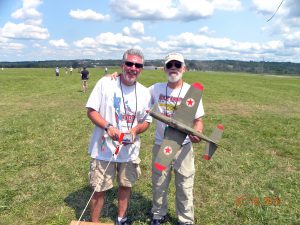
57	71
71	70
84	78
105	71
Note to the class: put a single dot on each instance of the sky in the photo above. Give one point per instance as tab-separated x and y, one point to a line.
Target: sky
37	30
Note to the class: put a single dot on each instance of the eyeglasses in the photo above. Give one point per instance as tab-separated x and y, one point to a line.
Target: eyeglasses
177	64
137	65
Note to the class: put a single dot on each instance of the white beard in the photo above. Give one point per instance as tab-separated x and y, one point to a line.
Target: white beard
173	78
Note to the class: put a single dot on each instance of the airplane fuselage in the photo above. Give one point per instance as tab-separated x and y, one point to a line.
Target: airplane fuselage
180	126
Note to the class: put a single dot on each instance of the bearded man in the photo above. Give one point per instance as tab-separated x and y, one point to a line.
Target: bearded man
168	96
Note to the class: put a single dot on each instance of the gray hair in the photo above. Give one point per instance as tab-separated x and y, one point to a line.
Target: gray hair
133	51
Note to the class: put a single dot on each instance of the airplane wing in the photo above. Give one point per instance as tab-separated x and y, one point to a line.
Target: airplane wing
174	138
168	149
187	109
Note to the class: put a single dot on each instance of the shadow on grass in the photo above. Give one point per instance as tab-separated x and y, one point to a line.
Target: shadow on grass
139	209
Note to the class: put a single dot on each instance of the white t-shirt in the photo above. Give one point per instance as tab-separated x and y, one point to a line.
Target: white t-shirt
106	98
166	105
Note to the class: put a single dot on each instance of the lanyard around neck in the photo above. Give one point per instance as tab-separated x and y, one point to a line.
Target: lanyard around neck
125	106
170	96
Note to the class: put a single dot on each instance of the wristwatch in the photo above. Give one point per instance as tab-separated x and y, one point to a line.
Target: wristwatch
107	126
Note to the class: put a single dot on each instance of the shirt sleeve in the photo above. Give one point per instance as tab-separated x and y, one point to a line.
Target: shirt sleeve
148	108
151	89
144	116
94	100
200	110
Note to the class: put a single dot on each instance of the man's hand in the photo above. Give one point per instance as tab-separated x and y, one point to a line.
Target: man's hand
113	76
114	133
133	132
194	139
139	128
198	126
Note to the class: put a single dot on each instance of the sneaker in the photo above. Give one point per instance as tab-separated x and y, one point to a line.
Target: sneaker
158	221
123	221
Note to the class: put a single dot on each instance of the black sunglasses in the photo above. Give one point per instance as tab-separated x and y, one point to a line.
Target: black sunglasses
177	64
137	65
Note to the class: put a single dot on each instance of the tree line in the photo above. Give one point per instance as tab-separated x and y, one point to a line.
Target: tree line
283	68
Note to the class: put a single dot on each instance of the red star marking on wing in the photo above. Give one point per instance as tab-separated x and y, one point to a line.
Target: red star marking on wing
168	150
190	102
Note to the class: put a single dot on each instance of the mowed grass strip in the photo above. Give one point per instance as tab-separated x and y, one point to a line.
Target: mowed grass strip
252	179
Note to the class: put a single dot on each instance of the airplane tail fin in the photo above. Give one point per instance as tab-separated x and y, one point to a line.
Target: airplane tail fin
210	148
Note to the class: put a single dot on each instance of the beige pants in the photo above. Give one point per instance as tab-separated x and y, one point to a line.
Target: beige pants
184	170
127	173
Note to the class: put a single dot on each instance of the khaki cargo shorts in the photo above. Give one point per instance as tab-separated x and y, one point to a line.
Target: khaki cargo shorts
127	173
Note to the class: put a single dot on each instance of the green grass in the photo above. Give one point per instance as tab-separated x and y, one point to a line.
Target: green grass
45	132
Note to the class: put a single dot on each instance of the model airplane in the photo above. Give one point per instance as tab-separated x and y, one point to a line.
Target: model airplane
181	125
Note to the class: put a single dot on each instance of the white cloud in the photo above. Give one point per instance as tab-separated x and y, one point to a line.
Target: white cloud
28	12
272	45
114	42
219	47
88	15
30	28
35	22
24	31
266	6
60	43
14	46
148	39
190	9
206	31
6	45
86	43
25	13
116	39
293	36
88	53
31	3
186	10
126	31
227	5
146	10
285	22
2	39
36	45
137	28
294	8
292	39
288	12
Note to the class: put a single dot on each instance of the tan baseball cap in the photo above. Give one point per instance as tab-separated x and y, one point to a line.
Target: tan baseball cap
174	56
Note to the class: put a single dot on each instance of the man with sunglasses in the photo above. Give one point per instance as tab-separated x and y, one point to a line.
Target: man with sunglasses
118	109
168	96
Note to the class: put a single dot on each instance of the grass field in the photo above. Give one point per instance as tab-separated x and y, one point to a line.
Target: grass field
252	179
